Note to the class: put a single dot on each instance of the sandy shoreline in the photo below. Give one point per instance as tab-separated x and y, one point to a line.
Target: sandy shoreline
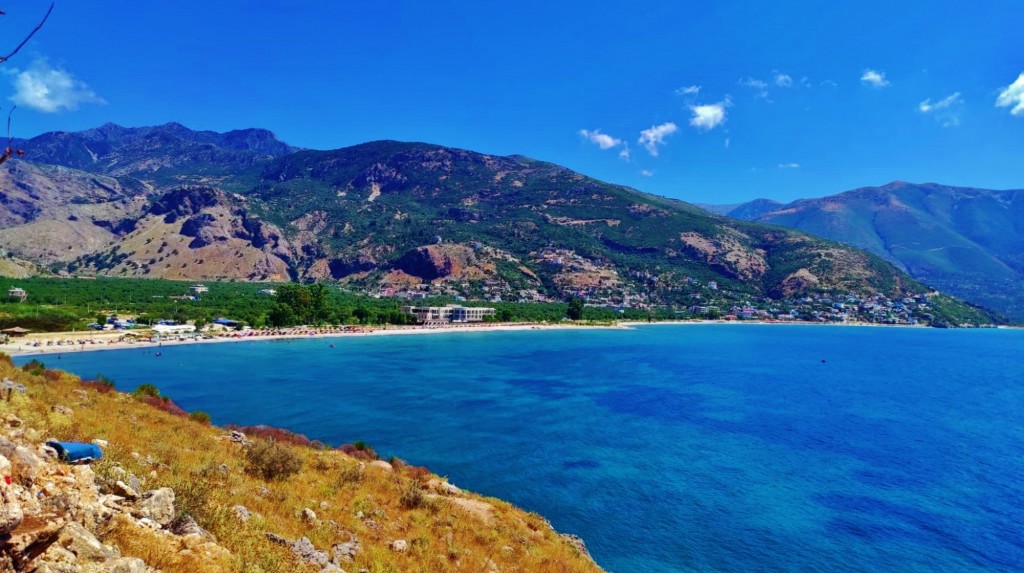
115	340
76	342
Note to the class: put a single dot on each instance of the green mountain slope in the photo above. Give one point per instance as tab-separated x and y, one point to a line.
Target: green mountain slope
969	242
397	217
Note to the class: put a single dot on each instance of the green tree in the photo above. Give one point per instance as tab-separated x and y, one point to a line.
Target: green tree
575	310
282	315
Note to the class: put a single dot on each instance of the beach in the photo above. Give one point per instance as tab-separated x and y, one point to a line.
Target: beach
76	342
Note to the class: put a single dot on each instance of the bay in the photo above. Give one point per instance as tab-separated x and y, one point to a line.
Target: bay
667	448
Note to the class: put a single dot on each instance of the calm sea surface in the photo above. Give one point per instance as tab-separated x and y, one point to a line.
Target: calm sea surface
669	448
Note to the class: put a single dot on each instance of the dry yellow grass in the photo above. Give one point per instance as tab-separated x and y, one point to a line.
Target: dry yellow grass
207	473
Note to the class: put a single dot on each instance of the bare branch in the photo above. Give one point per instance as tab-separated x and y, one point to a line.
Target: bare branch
29	37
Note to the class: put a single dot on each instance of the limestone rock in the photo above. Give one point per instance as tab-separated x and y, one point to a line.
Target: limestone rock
442	487
399	545
84	545
577	542
242	513
381	464
187	527
346	551
11	514
304	550
158	505
128	565
309	516
124	490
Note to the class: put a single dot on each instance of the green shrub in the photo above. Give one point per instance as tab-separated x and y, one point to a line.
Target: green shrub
201	417
271	460
147	390
34	367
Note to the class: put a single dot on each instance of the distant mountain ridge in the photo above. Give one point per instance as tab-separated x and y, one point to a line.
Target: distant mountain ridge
166	153
170	202
962	240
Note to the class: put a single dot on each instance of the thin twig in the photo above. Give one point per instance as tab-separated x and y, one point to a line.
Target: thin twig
29	37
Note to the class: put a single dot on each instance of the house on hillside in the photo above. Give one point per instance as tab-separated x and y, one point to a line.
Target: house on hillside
17	293
266	292
198	289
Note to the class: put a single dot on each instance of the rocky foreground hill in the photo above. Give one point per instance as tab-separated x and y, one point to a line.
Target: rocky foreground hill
170	202
175	494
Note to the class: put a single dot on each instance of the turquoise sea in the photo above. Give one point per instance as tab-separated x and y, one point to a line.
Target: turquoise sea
726	448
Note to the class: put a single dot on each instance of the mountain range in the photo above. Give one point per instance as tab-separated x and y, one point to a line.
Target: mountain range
965	241
170	202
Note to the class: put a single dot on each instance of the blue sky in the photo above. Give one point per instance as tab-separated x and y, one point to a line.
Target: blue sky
715	102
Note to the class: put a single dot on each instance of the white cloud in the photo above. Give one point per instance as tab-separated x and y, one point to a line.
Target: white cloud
728	142
829	84
1012	96
655	136
49	89
789	166
927	106
945	110
783	80
624	153
646	173
709	116
602	140
759	86
689	90
874	78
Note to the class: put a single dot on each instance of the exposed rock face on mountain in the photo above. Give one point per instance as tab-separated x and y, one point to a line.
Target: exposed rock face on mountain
969	242
170	202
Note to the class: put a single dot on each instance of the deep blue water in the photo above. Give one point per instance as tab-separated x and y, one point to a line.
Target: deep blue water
669	448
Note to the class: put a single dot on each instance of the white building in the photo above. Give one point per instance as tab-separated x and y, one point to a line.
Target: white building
18	293
450	313
198	288
173	328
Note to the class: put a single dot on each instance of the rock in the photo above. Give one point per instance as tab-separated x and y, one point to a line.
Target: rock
492	567
12	421
304	550
309	516
224	469
62	409
382	465
158	505
332	568
23	460
124	490
147	523
346	551
11	514
101	443
324	506
187	527
275	538
128	565
56	559
577	542
238	437
84	545
241	513
442	487
399	545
